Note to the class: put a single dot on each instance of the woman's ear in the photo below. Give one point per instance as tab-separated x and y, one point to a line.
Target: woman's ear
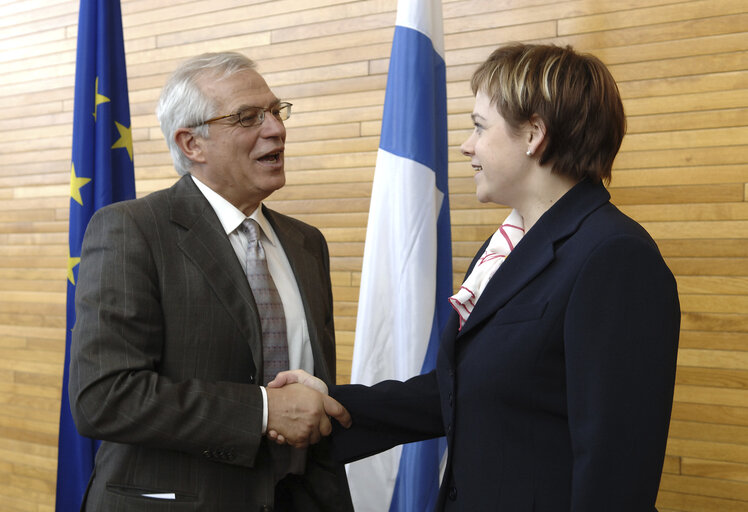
536	135
189	144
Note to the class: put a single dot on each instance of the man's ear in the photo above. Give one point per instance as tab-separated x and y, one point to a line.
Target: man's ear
189	144
537	134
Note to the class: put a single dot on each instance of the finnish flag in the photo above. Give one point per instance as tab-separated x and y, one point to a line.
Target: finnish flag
406	278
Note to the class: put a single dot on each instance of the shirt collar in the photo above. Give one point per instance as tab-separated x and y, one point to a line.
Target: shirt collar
232	217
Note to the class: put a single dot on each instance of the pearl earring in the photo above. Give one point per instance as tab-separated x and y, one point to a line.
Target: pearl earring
529	152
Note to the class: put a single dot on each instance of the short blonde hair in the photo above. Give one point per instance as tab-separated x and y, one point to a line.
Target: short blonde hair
574	94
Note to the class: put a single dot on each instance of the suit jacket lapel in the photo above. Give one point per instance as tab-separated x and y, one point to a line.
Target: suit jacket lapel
305	266
536	250
205	243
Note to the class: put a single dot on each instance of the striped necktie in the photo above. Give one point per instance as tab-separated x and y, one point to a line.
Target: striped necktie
269	305
285	459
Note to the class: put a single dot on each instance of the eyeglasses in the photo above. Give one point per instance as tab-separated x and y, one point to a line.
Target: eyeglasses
254	116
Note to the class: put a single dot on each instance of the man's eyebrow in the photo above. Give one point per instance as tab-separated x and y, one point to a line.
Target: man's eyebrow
273	103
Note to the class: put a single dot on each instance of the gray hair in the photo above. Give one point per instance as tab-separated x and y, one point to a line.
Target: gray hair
183	104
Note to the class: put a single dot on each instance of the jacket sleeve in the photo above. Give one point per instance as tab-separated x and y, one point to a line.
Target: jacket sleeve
387	414
117	391
621	339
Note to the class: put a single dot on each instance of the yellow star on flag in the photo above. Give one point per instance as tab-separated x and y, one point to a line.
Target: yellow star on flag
75	185
125	138
72	263
100	98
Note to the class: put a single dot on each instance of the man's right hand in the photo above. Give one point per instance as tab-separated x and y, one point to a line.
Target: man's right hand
298	415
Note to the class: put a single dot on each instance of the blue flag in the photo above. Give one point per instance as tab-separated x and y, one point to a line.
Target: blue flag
101	173
406	279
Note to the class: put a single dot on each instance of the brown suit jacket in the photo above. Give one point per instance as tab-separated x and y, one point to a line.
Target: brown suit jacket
166	354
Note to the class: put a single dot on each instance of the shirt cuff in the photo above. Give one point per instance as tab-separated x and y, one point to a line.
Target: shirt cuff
264	409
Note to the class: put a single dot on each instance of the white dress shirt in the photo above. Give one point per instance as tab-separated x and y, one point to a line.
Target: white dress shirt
297	332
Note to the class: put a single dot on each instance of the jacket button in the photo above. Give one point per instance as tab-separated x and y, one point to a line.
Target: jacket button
251	379
452	494
449	428
207	454
266	508
451	399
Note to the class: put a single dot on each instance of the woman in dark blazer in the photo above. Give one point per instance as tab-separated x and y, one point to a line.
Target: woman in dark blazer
554	381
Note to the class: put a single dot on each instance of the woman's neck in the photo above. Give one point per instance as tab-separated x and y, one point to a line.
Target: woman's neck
547	190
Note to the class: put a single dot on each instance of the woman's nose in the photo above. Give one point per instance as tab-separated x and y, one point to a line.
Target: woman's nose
467	148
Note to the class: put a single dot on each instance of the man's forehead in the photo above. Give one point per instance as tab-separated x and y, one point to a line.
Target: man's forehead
245	88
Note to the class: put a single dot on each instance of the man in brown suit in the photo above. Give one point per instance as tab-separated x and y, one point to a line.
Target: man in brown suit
167	355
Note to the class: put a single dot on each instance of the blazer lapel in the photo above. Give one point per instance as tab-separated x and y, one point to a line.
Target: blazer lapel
525	262
205	243
536	250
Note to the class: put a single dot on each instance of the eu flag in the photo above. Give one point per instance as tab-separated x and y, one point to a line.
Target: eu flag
101	173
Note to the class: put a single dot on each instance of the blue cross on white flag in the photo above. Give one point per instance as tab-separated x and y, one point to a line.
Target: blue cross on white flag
407	268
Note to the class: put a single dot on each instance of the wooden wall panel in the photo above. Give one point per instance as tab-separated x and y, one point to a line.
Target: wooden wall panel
682	68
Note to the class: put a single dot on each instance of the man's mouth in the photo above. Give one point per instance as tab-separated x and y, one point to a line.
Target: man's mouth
477	168
271	157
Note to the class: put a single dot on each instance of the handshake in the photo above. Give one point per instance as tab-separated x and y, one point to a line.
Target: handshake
300	410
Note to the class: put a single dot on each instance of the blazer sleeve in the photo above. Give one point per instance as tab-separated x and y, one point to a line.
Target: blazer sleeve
116	390
386	415
621	338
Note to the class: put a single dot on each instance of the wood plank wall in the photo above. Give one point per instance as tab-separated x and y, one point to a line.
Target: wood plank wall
682	67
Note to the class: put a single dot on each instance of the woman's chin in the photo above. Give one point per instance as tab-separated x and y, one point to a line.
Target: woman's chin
482	196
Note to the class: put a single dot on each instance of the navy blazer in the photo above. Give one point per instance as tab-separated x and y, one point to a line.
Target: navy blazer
556	394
